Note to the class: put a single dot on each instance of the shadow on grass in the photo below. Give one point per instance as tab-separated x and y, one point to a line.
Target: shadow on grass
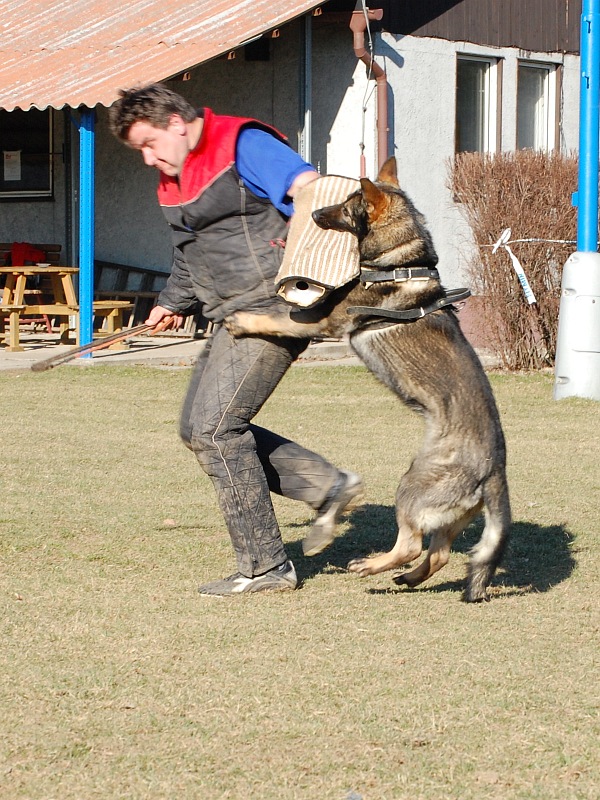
536	558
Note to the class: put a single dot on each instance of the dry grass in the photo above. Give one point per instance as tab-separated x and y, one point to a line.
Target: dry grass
118	681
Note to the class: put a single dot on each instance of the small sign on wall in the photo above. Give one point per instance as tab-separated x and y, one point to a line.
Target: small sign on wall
26	147
12	165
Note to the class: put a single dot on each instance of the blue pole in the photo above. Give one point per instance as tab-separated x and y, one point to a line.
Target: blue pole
589	119
577	367
86	226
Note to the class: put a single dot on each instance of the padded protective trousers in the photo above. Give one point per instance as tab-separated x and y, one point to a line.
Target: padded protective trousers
231	381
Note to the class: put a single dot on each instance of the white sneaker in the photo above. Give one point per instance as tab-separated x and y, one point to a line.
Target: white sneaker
346	493
279	579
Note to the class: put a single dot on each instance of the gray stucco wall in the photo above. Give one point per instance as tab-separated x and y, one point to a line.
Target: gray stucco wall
421	93
422	79
129	226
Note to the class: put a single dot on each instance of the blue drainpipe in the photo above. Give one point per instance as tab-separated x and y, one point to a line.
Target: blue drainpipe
587	197
577	367
86	226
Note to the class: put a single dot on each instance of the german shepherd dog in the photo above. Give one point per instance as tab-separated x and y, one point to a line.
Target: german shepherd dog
460	469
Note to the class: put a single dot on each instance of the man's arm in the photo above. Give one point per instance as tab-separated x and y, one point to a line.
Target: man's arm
271	169
178	298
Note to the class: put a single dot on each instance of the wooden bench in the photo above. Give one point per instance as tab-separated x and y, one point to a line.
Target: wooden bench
52	257
141	285
138	285
58	300
110	312
13	313
118	289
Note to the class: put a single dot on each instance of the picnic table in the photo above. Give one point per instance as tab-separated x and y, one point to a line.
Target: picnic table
61	302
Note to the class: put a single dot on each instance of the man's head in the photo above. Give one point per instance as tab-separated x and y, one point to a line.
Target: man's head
159	123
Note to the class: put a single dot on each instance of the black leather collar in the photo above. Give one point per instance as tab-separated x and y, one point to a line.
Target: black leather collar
398	275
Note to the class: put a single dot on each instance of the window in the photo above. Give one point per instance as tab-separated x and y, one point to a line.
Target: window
476	105
536	107
26	152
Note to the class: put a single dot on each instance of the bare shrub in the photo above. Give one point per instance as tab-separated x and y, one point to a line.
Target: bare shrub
530	193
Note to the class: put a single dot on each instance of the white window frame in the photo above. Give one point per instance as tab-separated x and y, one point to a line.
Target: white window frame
490	143
550	103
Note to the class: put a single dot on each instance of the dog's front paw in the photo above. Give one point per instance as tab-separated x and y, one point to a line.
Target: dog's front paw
235	324
360	567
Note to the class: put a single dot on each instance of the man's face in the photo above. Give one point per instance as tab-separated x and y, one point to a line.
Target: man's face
163	148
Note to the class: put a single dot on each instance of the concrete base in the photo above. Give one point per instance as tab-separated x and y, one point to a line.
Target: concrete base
577	369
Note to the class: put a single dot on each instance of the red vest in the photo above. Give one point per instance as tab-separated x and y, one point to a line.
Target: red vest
224	236
212	156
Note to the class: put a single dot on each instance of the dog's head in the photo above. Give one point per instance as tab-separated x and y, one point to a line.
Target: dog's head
350	216
390	230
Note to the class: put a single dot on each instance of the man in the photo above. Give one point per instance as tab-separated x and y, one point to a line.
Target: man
227	187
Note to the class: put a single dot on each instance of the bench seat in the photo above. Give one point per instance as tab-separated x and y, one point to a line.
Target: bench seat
109	310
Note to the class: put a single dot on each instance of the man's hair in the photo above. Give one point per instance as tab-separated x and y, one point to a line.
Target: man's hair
154	104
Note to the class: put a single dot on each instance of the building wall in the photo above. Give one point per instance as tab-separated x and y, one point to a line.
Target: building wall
540	25
130	228
422	78
129	225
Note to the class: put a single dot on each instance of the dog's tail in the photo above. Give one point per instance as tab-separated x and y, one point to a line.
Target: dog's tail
487	553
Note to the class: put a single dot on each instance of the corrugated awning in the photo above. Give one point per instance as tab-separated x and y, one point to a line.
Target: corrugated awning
81	52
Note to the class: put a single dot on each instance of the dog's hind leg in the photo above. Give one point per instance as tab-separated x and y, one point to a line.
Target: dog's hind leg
409	545
437	556
438	553
486	555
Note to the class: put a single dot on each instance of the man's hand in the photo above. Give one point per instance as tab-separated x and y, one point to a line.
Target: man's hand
301	181
162	319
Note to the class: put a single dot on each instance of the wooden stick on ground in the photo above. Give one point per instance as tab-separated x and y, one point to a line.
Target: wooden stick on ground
90	347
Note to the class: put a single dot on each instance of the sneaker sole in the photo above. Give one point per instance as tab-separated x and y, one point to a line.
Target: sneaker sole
266	590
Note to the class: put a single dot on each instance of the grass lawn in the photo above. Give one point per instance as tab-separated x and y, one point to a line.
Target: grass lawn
117	680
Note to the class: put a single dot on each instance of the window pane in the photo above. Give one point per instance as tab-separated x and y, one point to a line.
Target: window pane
25	147
471	105
532	111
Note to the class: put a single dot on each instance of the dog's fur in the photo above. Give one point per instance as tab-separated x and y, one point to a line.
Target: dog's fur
460	468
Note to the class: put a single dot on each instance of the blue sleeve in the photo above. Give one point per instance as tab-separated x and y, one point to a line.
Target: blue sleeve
268	167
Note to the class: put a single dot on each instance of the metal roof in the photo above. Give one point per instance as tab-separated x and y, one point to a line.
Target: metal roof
81	52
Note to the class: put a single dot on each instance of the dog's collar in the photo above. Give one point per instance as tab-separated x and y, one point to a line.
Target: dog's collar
449	297
370	275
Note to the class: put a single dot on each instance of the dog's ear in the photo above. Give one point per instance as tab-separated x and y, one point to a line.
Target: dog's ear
374	199
389	172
